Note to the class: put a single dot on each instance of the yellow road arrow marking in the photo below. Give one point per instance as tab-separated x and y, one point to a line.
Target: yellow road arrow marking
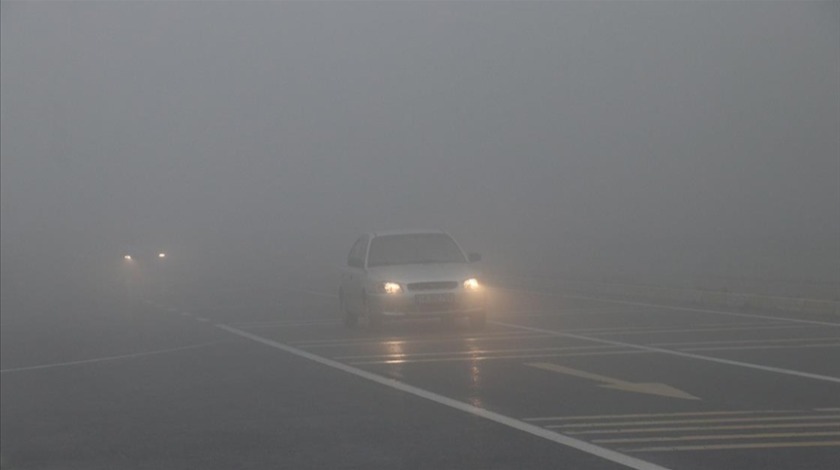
659	389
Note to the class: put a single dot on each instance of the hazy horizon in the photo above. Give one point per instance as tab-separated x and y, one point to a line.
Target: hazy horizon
646	140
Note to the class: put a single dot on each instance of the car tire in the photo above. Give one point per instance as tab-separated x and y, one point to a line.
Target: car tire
478	320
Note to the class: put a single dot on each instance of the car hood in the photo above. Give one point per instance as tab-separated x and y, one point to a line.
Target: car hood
406	273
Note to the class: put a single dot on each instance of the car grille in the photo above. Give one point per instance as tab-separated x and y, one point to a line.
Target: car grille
446	285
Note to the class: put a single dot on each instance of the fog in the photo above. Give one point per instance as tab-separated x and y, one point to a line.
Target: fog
658	142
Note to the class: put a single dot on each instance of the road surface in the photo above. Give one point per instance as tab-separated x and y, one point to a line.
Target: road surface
271	379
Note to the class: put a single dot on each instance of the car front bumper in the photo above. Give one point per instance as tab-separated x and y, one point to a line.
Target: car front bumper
413	305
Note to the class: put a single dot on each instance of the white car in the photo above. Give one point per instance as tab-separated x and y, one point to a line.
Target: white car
410	274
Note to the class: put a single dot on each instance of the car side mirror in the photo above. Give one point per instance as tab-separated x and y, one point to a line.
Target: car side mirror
474	257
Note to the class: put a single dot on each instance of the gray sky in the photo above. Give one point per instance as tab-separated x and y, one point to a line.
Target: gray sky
650	137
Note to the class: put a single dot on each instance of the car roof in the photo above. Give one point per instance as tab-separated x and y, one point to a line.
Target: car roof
404	232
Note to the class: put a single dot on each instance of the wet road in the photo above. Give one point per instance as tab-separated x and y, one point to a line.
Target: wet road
273	380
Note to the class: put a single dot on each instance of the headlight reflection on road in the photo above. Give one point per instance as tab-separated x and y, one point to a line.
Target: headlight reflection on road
394	349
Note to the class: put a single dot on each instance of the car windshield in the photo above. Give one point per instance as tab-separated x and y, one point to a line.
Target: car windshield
414	249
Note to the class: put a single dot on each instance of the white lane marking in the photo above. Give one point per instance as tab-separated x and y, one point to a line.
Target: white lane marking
700	327
653	415
715	437
750	419
831	424
202	319
672	352
670	307
749	341
185	314
109	358
762	347
763	445
702	330
611	455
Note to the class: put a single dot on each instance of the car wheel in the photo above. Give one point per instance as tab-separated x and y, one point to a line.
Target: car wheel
478	320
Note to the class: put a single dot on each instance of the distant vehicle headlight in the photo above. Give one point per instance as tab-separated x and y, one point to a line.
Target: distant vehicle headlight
127	257
391	288
161	255
471	284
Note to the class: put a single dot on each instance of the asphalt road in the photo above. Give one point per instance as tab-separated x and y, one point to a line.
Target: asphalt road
269	378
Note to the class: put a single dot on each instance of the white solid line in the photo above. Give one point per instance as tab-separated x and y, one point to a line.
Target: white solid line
672	352
703	330
611	455
748	341
688	309
109	358
737	419
715	437
707	428
762	347
765	445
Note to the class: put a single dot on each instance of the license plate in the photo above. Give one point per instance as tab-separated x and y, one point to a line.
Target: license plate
425	299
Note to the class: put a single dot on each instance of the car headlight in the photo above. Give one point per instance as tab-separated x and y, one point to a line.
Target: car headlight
391	288
471	284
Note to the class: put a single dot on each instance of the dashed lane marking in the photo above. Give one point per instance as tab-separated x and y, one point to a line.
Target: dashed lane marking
602	452
672	352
